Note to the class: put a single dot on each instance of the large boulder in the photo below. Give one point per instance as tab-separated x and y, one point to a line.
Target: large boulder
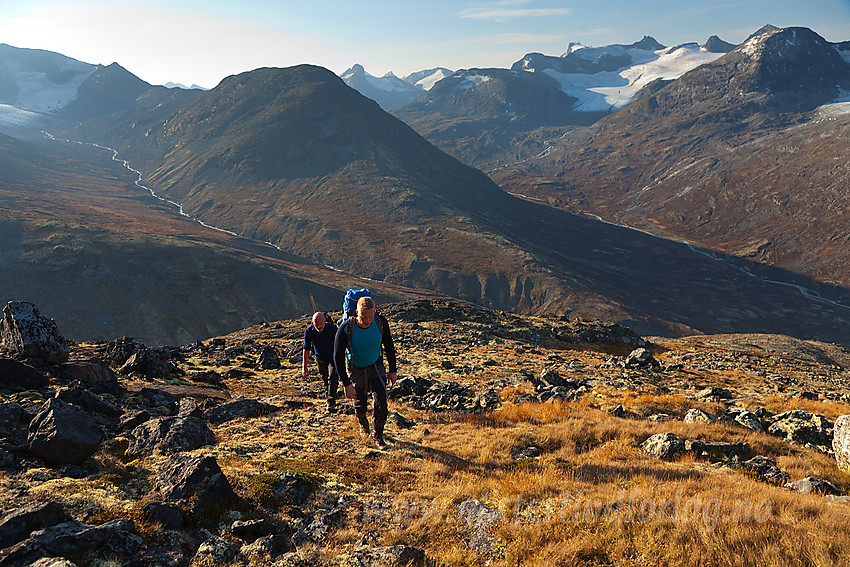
811	484
641	358
18	377
765	469
391	556
74	540
61	433
168	435
13	418
148	363
196	480
841	442
269	359
26	333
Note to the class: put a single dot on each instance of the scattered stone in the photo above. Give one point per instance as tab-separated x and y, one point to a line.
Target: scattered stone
250	530
19	377
159	399
477	517
268	359
215	551
401	422
718	452
695	415
447	365
526	453
27	334
641	358
13	418
169	516
63	434
313	534
714	394
17	525
749	420
578	331
660	417
74	540
664	445
88	401
151	364
393	556
168	435
293	488
617	411
120	350
132	419
197	481
267	546
94	375
812	484
236	409
765	469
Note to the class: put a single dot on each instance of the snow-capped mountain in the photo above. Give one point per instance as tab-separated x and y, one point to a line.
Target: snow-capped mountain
605	79
389	91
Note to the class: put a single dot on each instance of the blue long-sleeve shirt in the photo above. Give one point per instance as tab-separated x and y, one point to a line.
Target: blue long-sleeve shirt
322	344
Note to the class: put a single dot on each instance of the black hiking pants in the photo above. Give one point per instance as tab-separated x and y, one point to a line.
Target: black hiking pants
371	379
330	377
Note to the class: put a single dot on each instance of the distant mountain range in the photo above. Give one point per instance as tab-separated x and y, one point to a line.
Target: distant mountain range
296	158
389	91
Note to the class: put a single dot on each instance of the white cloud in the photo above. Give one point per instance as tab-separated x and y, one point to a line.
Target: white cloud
501	11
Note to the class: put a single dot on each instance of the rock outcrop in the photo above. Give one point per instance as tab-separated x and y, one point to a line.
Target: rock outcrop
61	433
27	334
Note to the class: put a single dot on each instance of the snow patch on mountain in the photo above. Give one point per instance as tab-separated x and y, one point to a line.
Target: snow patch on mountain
38	91
608	91
429	80
472	81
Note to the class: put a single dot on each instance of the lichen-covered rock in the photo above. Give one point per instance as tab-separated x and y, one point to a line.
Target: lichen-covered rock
196	480
236	409
168	435
477	517
765	469
18	377
841	442
26	333
641	358
695	415
801	427
17	525
812	484
392	556
664	445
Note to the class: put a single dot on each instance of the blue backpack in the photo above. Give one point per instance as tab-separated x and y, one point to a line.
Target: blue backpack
349	303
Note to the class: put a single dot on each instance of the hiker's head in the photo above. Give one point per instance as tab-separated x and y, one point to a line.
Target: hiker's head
365	311
319	320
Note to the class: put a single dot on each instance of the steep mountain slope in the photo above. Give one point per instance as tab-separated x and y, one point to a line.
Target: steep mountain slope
105	259
294	157
746	155
37	80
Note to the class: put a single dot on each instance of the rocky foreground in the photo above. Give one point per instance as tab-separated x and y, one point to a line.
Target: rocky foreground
512	440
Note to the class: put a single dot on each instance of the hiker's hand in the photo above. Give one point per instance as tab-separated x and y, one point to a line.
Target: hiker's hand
393	377
305	372
350	392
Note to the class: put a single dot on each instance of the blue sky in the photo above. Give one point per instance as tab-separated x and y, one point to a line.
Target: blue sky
203	41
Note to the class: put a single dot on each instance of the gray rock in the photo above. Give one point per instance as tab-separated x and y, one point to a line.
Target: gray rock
53	562
196	480
17	525
749	420
120	350
132	419
269	359
63	434
841	442
801	427
714	394
765	469
812	484
94	375
169	516
477	518
18	377
169	435
392	556
158	399
88	401
270	545
695	415
313	534
236	409
717	452
13	417
250	530
148	363
641	358
215	551
664	445
26	333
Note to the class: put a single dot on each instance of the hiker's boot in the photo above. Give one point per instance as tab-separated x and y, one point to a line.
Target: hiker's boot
331	406
379	441
364	428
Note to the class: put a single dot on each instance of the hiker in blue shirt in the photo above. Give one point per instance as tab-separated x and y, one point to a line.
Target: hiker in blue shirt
319	339
364	335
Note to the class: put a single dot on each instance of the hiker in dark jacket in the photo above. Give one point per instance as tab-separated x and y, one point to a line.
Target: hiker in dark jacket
319	339
363	336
